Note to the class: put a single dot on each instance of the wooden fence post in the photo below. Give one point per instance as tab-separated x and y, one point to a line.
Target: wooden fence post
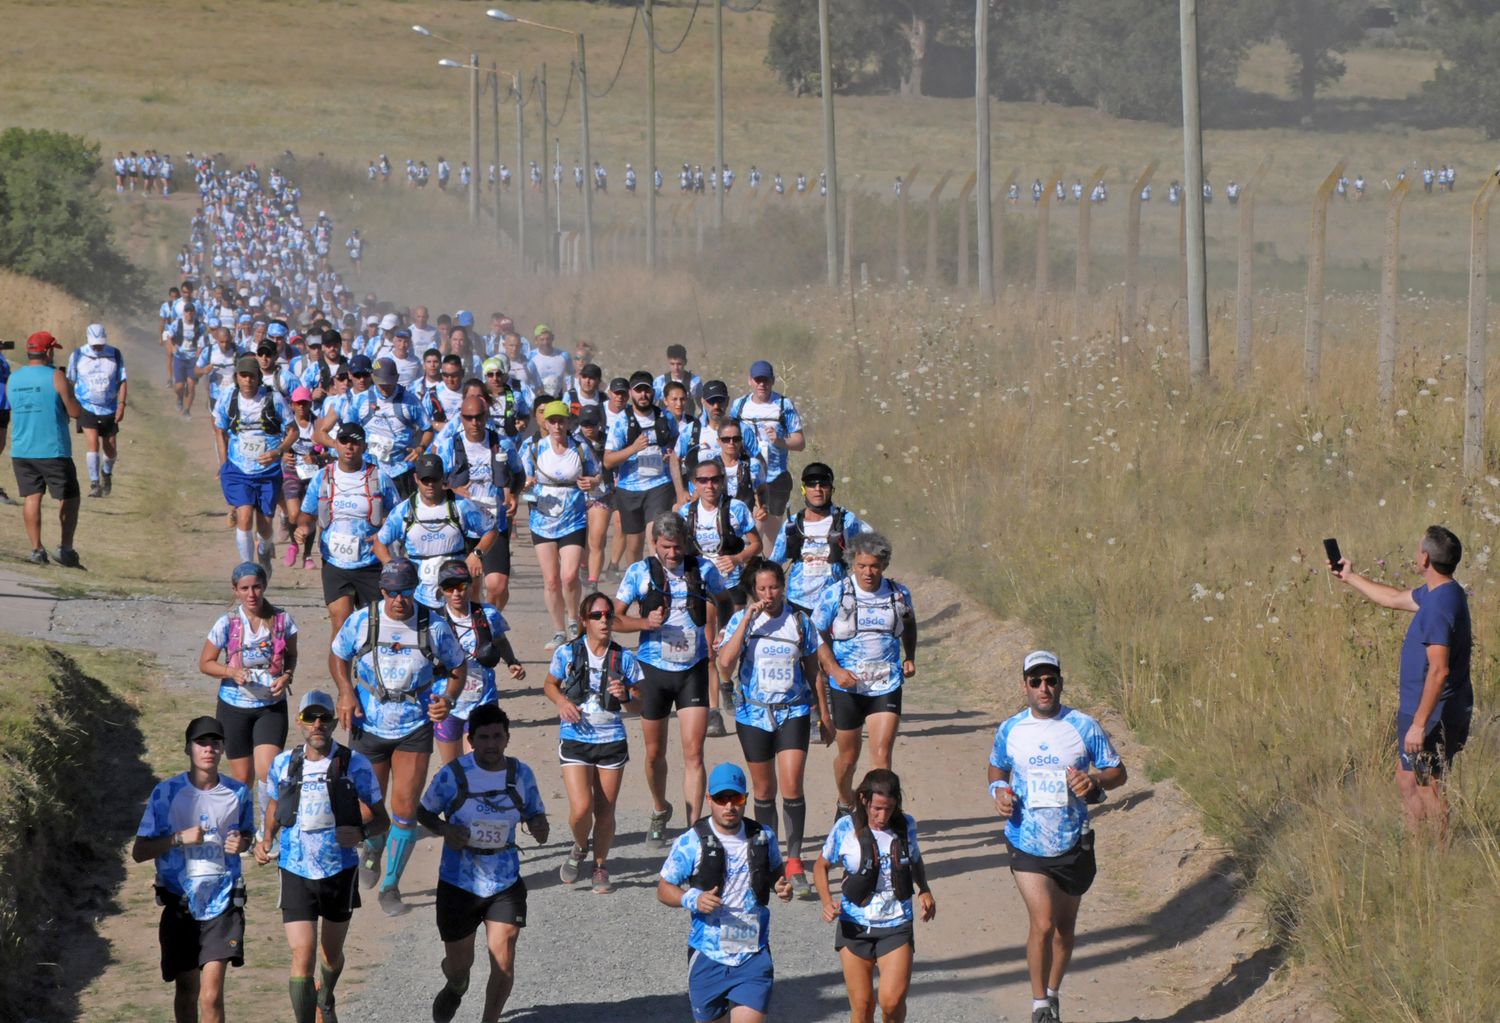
1385	371
1043	217
1081	256
1474	368
903	268
853	186
963	230
932	229
1243	296
1312	350
1133	248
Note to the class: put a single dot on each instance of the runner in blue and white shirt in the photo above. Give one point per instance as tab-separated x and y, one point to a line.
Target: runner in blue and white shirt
97	371
677	370
778	428
640	449
478	804
560	473
397	426
432	526
485	654
253	431
548	371
1049	762
813	543
216	362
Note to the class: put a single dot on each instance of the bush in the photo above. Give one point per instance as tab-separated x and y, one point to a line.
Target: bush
53	225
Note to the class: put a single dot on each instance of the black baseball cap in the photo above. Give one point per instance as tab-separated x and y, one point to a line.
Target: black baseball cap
591	415
619	385
591	371
349	431
817	472
454	571
714	390
428	467
640	378
204	728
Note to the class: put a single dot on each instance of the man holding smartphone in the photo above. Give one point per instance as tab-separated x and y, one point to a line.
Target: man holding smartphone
1437	699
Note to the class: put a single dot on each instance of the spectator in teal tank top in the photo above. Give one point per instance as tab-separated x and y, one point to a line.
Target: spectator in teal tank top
42	402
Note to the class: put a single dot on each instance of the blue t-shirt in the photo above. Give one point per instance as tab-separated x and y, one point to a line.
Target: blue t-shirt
492	820
203	875
706	530
256	654
558	507
647	468
597	724
479	681
773	687
816	568
392	424
1048	818
97	376
778	414
842	850
249	439
866	630
1442	619
482	462
741	926
436	533
679	643
404	673
346	541
310	848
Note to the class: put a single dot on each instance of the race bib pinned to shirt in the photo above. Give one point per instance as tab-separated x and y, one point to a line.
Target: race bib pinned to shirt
342	546
1047	788
739	931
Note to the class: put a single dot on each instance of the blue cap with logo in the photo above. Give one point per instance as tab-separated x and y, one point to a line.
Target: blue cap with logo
727	778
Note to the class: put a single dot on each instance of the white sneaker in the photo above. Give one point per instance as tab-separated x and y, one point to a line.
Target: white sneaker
557	640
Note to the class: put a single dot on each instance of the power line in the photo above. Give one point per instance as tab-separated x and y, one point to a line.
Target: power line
741	10
628	39
651	34
572	74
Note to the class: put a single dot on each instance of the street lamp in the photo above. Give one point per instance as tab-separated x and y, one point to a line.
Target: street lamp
515	88
583	107
422	30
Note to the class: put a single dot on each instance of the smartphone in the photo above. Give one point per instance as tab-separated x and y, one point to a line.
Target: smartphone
1331	549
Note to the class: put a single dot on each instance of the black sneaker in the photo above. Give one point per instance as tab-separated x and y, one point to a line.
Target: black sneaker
445	1005
1044	1014
67	557
7	499
108	480
96	489
656	829
38	557
369	864
715	725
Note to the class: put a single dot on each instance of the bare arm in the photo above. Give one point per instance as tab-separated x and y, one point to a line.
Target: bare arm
69	399
1376	593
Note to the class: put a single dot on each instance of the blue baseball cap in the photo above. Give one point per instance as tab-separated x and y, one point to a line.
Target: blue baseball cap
276	329
244	318
761	368
464	318
360	364
727	778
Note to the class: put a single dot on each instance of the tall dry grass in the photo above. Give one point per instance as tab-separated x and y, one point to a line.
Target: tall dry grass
28	305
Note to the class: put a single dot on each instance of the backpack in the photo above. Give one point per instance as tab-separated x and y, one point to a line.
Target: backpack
575	686
737	411
845	623
372	643
376	514
512	791
859	884
711	867
486	650
660	594
747	652
499	464
730	542
512	428
198	333
234	646
270	420
450	519
437	412
795	536
573	445
744	483
661	428
341	791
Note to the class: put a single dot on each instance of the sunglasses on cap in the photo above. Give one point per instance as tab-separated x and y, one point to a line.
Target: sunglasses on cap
1050	681
313	716
728	798
351	440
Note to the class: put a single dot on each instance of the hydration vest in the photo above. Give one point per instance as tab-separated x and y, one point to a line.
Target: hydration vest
371	476
499	464
486	650
752	642
845	623
711	868
660	594
575	686
342	794
371	646
860	884
270	421
795	535
234	647
730	542
512	791
661	428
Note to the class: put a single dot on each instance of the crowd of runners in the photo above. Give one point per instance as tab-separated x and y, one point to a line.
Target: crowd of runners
405	460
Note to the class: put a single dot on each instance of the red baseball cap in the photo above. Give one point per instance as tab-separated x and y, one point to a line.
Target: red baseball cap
41	343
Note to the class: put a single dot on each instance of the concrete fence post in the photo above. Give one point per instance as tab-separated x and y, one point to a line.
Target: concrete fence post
963	230
1475	363
998	248
1317	246
1385	371
932	229
903	204
1244	354
1081	255
1043	219
1133	249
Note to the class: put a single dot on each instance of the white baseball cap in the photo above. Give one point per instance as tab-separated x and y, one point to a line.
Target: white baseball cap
96	334
390	321
1040	659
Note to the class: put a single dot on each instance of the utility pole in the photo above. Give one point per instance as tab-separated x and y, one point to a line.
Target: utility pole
1192	157
719	113
650	136
982	153
524	183
830	159
547	175
557	156
473	137
495	117
588	162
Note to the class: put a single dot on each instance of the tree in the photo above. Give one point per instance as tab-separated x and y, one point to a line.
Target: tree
53	225
875	44
1467	85
1316	32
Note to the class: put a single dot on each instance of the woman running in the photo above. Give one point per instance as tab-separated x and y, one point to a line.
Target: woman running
259	644
599	500
560	473
876	846
591	680
299	465
481	631
771	650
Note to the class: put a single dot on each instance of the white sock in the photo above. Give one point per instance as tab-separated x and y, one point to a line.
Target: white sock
244	542
92	459
1052	992
108	465
1040	1003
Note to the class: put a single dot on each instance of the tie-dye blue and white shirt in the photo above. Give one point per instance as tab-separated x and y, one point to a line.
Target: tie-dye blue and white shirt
597	724
1048	818
220	366
202	875
481	462
392	423
256	652
842	850
776	418
97	374
679	643
706	530
309	848
436	533
479	681
773	687
741	926
248	439
647	468
403	669
549	373
560	507
866	630
807	576
346	541
492	821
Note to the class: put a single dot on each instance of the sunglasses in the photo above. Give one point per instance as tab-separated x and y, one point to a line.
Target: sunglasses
818	484
475	419
704	480
1050	681
728	798
494	373
714	401
408	594
341	376
600	616
455	586
451	376
318	717
361	376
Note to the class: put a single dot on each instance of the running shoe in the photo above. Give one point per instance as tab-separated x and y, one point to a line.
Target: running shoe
602	883
186	414
96	489
369	863
558	639
1045	1014
574	631
307	564
67	557
445	1005
108	480
326	1014
568	872
264	555
798	878
291	555
715	725
656	829
7	499
391	904
38	556
1056	1006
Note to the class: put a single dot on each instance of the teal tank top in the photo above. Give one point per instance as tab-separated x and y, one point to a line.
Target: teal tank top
39	422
